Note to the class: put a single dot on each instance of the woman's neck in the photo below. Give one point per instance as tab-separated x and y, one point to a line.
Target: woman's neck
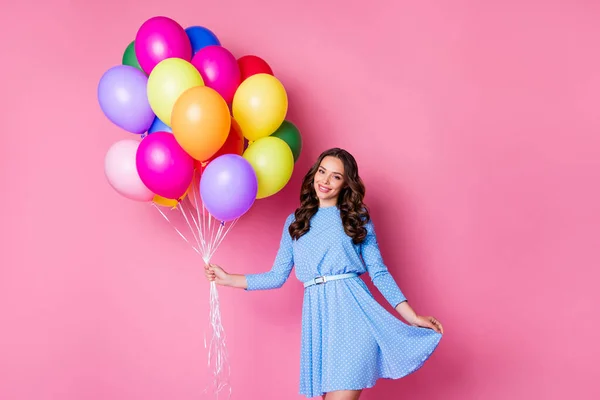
327	204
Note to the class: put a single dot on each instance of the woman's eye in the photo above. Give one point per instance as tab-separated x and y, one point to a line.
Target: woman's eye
338	178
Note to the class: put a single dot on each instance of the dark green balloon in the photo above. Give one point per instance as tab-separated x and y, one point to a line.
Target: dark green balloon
291	135
129	57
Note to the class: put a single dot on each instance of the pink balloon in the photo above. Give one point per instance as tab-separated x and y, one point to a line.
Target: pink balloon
219	69
121	171
164	167
160	38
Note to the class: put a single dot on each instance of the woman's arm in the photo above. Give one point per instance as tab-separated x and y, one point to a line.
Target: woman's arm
220	277
410	316
273	279
378	271
386	284
406	312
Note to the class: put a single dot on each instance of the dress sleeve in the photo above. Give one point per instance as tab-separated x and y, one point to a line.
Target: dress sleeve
282	267
380	276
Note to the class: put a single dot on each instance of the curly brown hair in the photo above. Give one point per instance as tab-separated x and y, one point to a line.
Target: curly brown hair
353	211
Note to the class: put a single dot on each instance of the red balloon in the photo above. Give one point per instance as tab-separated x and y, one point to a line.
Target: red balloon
252	65
233	145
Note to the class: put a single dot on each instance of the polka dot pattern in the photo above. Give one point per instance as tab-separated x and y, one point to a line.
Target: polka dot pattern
349	340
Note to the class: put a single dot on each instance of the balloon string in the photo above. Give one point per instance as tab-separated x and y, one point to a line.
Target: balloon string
184	213
224	233
217	348
218	358
201	223
211	229
176	230
213	239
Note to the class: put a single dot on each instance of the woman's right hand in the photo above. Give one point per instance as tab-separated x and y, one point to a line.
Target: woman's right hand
216	274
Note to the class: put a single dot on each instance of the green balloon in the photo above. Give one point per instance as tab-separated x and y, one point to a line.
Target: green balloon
291	135
129	57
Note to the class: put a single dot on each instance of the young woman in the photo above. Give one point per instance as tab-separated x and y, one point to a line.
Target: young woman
349	340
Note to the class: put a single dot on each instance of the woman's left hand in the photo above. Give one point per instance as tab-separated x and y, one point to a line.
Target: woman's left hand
428	322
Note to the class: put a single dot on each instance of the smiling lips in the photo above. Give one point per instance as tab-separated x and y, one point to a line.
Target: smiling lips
324	189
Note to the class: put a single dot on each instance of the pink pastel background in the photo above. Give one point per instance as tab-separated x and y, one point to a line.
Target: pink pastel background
476	125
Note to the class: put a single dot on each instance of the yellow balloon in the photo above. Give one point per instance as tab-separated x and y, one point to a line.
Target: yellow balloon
163	201
167	81
273	162
259	106
171	203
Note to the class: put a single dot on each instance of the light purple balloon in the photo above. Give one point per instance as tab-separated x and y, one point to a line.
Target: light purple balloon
219	69
123	99
163	166
228	187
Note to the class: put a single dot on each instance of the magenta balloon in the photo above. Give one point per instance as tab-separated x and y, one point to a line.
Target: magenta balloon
228	187
160	38
219	69
164	167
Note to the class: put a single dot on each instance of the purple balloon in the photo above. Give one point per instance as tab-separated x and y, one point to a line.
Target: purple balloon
164	167
228	187
219	69
123	99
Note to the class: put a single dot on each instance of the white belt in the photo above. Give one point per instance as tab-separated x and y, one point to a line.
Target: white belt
322	279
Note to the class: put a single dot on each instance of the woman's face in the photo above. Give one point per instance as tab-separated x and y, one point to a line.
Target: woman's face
329	181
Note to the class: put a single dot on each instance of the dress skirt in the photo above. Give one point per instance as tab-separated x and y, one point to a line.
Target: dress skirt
349	340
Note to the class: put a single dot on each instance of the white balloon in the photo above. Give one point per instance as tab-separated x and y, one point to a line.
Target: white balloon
121	171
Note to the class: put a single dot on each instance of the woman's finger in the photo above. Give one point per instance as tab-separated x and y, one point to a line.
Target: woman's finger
436	324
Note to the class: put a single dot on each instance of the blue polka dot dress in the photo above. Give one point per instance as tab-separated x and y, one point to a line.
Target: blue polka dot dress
349	340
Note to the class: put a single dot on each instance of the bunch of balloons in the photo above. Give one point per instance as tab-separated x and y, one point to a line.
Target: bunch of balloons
197	111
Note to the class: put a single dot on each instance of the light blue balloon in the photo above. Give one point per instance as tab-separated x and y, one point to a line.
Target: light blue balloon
159	126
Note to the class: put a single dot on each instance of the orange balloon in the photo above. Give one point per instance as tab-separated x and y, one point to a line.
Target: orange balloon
200	121
233	145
